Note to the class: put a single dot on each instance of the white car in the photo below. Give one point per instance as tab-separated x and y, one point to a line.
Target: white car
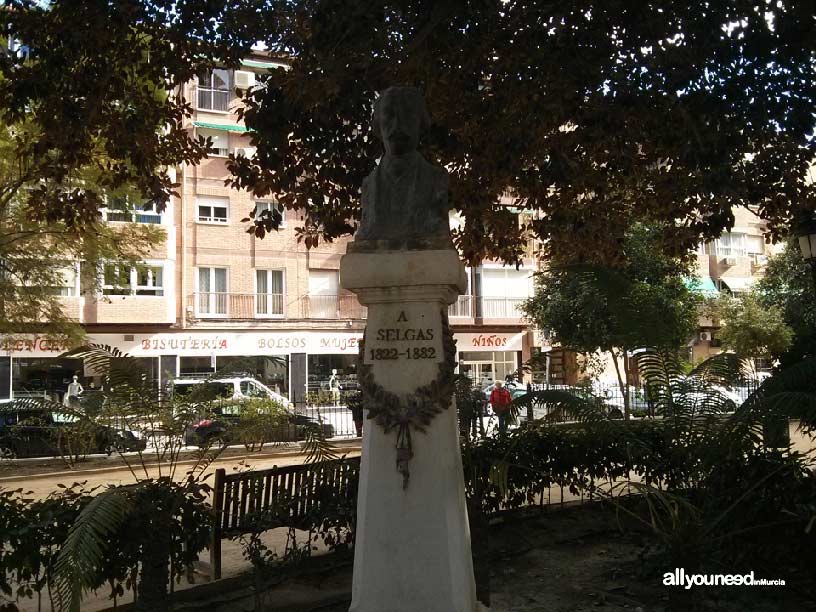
231	387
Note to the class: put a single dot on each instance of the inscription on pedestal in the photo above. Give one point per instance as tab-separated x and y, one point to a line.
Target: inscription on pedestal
404	334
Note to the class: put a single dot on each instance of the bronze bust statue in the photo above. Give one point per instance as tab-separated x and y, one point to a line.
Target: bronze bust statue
405	198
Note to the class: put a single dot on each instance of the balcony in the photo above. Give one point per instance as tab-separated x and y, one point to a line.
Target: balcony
500	307
331	307
486	307
220	305
462	307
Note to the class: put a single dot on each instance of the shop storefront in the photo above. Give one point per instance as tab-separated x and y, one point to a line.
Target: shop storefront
486	357
282	360
291	362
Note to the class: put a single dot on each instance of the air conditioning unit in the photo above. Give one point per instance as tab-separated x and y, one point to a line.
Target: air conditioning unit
730	261
248	152
244	79
705	336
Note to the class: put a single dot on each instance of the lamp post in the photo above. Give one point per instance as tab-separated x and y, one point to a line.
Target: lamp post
806	234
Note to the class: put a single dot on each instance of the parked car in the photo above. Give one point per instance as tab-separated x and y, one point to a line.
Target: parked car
220	402
227	388
216	428
27	432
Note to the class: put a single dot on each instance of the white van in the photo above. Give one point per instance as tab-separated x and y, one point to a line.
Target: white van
230	387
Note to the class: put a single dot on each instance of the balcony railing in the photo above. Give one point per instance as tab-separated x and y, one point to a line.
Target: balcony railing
501	307
332	307
469	306
462	307
220	305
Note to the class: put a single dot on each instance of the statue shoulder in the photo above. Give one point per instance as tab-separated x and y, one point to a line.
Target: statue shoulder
369	182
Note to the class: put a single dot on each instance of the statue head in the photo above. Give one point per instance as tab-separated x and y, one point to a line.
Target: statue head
400	116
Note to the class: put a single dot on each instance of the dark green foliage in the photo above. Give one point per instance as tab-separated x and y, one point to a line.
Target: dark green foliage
790	285
594	114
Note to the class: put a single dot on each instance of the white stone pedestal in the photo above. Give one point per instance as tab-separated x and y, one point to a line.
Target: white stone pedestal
412	552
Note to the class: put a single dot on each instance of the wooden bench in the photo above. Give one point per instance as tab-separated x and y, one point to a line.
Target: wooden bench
296	490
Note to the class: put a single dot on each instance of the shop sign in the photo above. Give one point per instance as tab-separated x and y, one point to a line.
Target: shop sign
489	341
201	344
32	346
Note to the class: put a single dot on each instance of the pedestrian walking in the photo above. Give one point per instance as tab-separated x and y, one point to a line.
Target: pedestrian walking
500	400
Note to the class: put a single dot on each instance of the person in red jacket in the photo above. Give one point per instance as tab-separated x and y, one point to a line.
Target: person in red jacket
500	400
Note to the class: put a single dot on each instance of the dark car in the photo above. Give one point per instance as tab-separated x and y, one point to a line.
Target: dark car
45	433
215	428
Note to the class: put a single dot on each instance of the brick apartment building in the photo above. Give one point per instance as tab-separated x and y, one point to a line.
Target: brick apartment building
214	297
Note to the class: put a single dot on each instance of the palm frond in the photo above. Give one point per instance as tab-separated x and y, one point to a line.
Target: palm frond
723	369
82	553
317	448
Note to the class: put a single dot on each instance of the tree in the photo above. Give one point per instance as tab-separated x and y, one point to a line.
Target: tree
594	114
643	303
788	285
36	255
751	329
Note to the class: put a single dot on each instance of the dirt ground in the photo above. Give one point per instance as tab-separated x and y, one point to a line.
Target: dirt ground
574	560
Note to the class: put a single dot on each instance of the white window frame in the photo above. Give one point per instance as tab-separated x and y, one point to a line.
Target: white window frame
213	203
71	287
144	213
209	312
269	315
206	86
215	135
262	205
731	249
132	288
157	290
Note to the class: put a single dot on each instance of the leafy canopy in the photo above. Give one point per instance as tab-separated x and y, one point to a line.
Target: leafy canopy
594	114
790	285
751	329
644	302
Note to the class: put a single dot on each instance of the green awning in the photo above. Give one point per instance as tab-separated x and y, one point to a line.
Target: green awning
704	286
267	65
219	126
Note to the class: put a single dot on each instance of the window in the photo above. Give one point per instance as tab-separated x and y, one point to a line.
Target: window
503	291
324	289
213	210
212	291
213	90
220	142
144	279
271	208
250	389
149	280
69	277
269	292
730	244
115	280
127	210
755	245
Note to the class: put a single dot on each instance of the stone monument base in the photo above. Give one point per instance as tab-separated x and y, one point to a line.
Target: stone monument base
412	550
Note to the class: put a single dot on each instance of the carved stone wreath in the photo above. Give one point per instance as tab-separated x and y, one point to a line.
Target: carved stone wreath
418	409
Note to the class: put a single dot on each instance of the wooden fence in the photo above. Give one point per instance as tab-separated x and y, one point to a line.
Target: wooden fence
294	492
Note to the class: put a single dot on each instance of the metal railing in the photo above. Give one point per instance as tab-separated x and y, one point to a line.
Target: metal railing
223	305
236	305
462	307
332	307
500	307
